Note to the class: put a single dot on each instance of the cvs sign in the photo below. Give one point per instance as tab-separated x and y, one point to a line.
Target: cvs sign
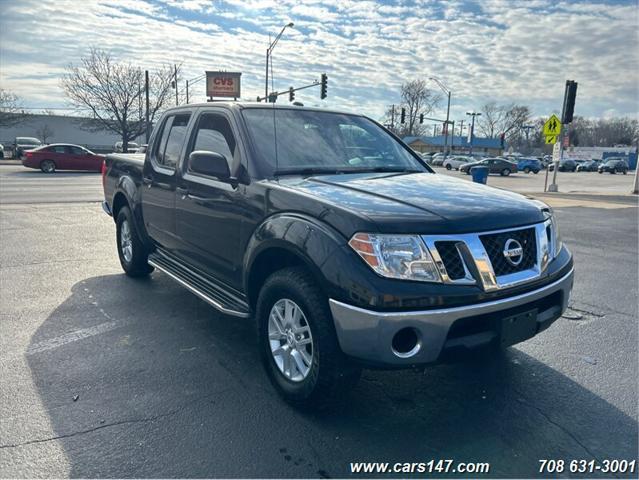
223	84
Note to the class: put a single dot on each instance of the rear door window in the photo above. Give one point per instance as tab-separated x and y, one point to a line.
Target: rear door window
168	150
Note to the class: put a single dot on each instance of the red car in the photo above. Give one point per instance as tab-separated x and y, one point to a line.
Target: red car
62	156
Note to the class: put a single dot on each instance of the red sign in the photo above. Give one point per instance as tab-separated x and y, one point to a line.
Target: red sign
566	141
223	84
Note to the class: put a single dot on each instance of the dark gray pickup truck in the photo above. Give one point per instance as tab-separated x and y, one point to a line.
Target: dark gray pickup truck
345	248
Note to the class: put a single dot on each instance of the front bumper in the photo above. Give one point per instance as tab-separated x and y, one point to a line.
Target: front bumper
368	335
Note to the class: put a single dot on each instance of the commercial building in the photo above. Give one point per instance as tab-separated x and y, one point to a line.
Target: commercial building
63	129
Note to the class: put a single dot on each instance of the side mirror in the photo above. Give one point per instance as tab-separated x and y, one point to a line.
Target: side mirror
212	164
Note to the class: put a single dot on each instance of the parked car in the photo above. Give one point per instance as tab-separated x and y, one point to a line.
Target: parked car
333	243
495	165
22	144
456	162
438	159
141	149
528	165
614	165
1	151
588	166
62	156
131	147
566	165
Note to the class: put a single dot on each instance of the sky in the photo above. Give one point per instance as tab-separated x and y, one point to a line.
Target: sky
506	51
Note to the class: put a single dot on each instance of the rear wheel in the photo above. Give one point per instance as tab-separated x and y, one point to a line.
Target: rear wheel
625	172
132	252
505	172
526	170
535	172
448	166
298	343
47	166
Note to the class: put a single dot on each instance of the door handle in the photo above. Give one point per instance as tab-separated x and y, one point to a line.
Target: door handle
147	181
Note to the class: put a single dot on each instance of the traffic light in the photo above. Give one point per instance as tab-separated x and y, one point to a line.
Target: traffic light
324	86
569	101
421	118
402	118
291	94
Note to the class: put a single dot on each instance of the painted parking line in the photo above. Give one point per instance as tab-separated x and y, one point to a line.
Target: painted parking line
70	337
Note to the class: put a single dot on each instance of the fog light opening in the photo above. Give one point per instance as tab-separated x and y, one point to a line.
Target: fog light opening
406	343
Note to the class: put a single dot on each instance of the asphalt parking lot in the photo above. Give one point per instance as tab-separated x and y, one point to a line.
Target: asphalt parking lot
105	376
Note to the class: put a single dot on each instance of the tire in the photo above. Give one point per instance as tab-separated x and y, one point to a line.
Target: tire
505	172
47	166
625	172
448	166
321	374
535	172
526	170
132	252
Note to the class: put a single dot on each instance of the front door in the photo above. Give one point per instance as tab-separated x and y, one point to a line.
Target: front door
209	211
159	180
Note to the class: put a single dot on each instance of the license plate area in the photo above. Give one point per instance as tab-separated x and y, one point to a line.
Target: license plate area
517	328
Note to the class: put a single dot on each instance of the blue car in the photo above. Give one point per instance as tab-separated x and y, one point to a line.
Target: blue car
528	165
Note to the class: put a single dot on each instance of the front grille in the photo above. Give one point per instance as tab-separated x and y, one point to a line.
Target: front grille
452	261
495	243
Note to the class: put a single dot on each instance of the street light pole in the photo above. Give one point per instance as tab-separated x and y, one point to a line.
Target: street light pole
269	50
447	92
473	114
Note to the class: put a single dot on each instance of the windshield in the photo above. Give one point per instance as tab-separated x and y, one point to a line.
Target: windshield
323	142
28	141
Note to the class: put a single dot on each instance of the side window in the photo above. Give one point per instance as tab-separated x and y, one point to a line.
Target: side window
158	150
76	151
214	134
175	140
56	149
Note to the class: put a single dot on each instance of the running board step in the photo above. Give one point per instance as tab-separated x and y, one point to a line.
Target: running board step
204	288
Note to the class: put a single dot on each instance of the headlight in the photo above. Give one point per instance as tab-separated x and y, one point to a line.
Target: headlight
396	256
556	237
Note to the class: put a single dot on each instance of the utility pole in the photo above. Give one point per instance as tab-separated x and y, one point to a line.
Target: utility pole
635	188
146	89
393	118
446	90
176	85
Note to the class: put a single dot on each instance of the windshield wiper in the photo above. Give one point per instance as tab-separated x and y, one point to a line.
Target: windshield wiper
305	171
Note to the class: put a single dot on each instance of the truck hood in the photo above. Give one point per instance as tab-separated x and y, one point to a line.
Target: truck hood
420	202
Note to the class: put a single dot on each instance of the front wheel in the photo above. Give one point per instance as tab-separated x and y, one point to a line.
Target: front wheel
47	166
132	252
298	343
505	172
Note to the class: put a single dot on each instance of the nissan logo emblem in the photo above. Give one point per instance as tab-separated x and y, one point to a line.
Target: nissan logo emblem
513	252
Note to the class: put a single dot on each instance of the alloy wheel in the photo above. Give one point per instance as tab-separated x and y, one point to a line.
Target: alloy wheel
126	243
290	340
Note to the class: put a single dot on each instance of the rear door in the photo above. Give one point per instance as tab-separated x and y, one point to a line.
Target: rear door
209	212
159	179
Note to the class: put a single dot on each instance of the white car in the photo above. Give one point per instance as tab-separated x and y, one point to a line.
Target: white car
456	162
1	151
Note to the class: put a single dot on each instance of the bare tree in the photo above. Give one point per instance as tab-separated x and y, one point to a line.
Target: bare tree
45	132
417	99
10	113
496	119
114	93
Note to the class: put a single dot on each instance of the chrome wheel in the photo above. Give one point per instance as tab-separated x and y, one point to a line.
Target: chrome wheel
126	244
47	166
290	340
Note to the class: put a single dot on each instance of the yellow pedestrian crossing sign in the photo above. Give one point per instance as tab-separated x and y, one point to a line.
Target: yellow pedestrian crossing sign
550	139
552	127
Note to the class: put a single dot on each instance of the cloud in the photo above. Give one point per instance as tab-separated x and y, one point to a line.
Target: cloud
494	50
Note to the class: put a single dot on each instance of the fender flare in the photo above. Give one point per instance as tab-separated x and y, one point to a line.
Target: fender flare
306	237
126	186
